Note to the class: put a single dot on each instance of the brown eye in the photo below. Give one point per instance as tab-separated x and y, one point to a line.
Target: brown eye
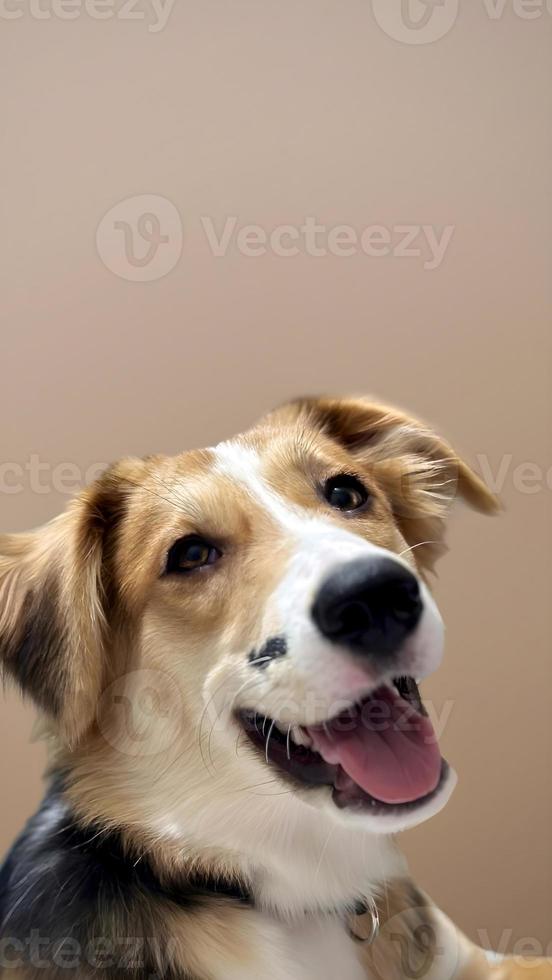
345	492
190	553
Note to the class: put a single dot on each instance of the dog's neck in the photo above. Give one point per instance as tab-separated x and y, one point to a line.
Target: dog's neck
308	861
291	857
173	902
307	866
330	868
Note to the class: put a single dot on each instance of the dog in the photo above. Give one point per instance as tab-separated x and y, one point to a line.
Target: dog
225	647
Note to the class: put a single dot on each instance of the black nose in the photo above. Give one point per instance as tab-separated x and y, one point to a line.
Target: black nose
370	605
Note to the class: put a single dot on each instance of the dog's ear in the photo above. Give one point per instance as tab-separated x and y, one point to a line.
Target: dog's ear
57	598
421	474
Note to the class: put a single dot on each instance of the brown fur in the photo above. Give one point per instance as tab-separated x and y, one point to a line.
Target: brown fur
76	562
76	595
419	472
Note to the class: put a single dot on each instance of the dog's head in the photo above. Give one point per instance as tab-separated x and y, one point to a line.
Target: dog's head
250	615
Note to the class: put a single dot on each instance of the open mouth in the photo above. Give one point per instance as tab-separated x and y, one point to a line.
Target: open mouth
381	754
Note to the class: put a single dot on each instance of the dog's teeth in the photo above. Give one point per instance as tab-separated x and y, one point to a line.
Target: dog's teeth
331	756
295	733
300	737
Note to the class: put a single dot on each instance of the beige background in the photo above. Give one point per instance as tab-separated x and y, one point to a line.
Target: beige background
272	112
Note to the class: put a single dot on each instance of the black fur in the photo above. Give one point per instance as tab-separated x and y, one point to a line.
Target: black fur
66	892
274	648
34	654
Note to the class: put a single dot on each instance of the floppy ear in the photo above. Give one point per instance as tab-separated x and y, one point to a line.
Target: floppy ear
56	594
421	474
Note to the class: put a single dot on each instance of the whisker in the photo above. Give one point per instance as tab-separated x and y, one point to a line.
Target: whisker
284	792
231	705
141	486
267	782
241	736
268	740
323	853
250	681
413	546
201	734
175	495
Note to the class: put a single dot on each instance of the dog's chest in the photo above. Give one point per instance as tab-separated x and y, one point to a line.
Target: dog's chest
320	949
248	944
324	950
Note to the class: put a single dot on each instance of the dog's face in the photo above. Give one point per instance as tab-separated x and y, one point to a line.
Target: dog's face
252	614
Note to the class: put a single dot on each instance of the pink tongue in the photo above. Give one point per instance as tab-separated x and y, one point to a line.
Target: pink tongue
385	747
